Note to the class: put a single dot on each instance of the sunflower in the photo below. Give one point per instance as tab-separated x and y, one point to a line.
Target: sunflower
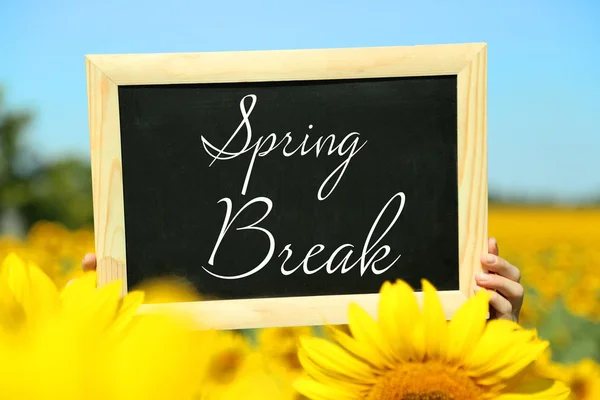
255	383
582	377
168	290
86	342
226	358
280	348
414	354
44	259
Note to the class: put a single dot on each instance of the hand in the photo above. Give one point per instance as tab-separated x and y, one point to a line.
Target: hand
503	284
89	263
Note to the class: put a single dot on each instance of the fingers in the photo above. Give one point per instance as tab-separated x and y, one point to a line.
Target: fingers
502	283
501	267
501	305
89	263
493	246
506	287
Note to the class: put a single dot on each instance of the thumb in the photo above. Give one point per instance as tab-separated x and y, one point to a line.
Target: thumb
89	262
493	246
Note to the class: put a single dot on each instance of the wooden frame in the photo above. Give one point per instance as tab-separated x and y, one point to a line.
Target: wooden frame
106	72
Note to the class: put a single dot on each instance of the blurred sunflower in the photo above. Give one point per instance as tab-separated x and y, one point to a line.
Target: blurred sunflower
226	357
256	383
583	378
86	342
66	247
417	355
47	261
50	236
280	348
168	290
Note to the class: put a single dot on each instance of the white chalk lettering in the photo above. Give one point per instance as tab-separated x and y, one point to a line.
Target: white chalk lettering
367	260
348	147
227	225
364	266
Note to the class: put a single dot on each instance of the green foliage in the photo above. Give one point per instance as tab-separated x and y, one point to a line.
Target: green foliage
62	191
522	200
58	191
572	338
15	159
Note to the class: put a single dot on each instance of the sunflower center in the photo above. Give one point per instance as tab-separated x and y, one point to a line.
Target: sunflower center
580	388
224	366
425	381
291	361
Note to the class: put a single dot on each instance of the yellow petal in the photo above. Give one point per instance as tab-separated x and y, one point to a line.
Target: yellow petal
44	296
467	326
171	365
366	353
83	301
436	326
408	317
397	310
504	350
329	378
14	273
72	294
511	364
129	306
12	313
419	341
106	304
30	287
538	390
331	357
387	312
317	391
366	331
497	336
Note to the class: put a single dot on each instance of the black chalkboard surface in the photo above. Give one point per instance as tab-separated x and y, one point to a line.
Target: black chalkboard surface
195	155
286	184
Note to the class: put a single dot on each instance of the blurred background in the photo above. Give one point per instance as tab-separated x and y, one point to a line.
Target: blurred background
543	108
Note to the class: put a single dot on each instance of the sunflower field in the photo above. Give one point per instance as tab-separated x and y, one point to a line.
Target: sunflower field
556	249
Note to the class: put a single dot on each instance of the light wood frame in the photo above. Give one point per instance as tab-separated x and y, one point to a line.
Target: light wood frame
105	73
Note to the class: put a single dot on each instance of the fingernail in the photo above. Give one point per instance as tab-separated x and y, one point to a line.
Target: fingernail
490	259
483	277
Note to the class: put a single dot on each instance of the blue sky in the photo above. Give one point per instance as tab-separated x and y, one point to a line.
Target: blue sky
543	64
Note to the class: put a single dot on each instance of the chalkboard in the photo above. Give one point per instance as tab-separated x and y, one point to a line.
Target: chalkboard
282	195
